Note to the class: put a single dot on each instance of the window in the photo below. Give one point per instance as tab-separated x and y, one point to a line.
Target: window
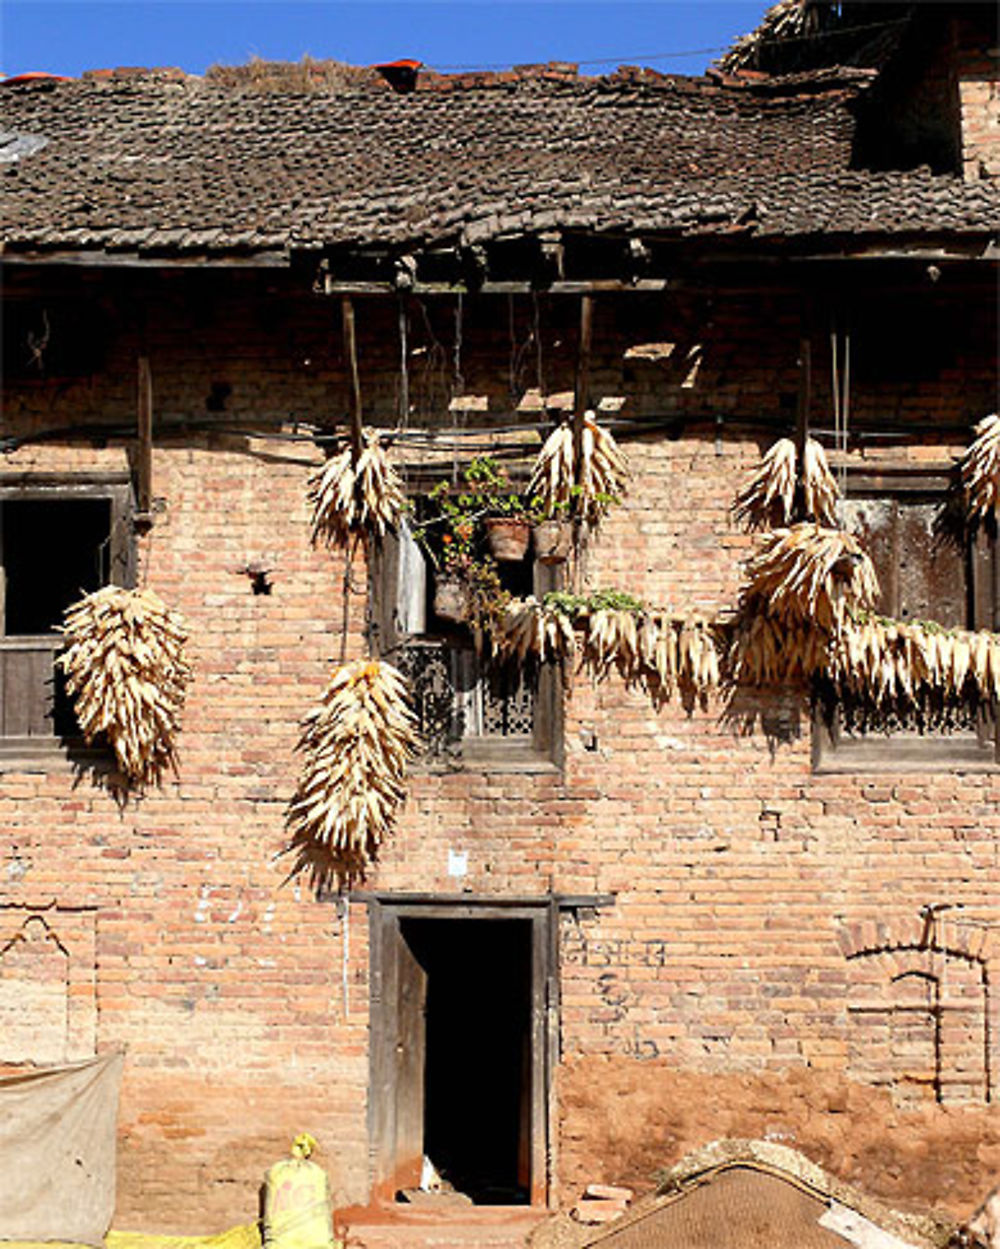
468	710
921	577
59	539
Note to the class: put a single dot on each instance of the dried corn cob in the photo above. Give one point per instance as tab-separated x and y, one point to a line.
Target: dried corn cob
768	498
809	575
126	672
587	487
349	498
979	469
356	746
526	627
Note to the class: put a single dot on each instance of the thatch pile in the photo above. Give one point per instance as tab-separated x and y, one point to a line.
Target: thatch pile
127	674
356	745
258	75
350	498
979	470
768	499
584	489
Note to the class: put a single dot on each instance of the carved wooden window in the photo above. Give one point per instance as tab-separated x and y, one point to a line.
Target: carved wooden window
469	711
59	539
922	577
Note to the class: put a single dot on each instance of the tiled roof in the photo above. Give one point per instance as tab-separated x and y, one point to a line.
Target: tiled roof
164	162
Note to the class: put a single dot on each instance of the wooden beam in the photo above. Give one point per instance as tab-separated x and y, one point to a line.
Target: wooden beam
581	400
351	357
144	456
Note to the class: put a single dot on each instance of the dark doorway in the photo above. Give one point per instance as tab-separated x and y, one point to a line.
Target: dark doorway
477	1063
464	1001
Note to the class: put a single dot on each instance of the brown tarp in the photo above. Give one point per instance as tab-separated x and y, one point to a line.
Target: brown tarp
57	1152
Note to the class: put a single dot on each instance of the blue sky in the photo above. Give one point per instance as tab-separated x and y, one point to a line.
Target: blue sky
68	36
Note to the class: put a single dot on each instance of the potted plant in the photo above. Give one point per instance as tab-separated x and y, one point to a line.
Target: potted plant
505	520
551	531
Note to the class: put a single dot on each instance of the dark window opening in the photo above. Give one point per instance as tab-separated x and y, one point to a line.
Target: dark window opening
54	552
58	542
477	1067
42	341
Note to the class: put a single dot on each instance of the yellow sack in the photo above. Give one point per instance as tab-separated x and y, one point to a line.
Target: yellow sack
244	1237
298	1213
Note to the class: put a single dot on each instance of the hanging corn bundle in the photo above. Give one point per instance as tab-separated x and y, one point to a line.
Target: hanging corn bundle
767	501
900	665
979	469
526	627
588	488
808	575
362	497
766	652
356	746
126	673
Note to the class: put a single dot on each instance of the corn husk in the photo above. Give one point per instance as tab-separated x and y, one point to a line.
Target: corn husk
349	498
809	575
979	470
356	746
587	488
127	675
767	500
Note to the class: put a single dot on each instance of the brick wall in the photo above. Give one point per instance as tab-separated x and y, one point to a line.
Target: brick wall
758	905
978	74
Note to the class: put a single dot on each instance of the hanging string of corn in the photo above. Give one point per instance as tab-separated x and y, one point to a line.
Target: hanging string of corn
586	489
767	500
126	673
349	498
809	575
356	745
659	649
901	663
979	470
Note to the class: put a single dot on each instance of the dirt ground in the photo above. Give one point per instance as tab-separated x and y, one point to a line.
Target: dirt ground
624	1120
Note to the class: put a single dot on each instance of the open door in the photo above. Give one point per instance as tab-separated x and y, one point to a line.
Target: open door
460	1071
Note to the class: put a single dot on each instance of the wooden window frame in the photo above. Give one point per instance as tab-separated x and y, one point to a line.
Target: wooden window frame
43	751
936	752
542	751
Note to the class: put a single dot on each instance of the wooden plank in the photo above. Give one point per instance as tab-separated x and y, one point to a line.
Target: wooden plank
351	359
539	1067
581	397
410	1064
144	455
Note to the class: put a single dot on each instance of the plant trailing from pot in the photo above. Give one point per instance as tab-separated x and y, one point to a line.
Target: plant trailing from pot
504	511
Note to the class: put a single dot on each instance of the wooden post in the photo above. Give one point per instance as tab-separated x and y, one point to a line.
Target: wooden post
351	356
802	425
144	458
582	395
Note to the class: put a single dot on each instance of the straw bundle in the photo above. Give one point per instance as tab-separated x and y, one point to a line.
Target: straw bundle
979	469
767	500
350	498
126	672
585	489
809	575
356	745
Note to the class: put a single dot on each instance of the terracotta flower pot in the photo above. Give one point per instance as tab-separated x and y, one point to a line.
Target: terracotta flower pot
451	599
553	540
507	537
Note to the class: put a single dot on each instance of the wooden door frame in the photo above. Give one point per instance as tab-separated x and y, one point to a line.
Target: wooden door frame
385	914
